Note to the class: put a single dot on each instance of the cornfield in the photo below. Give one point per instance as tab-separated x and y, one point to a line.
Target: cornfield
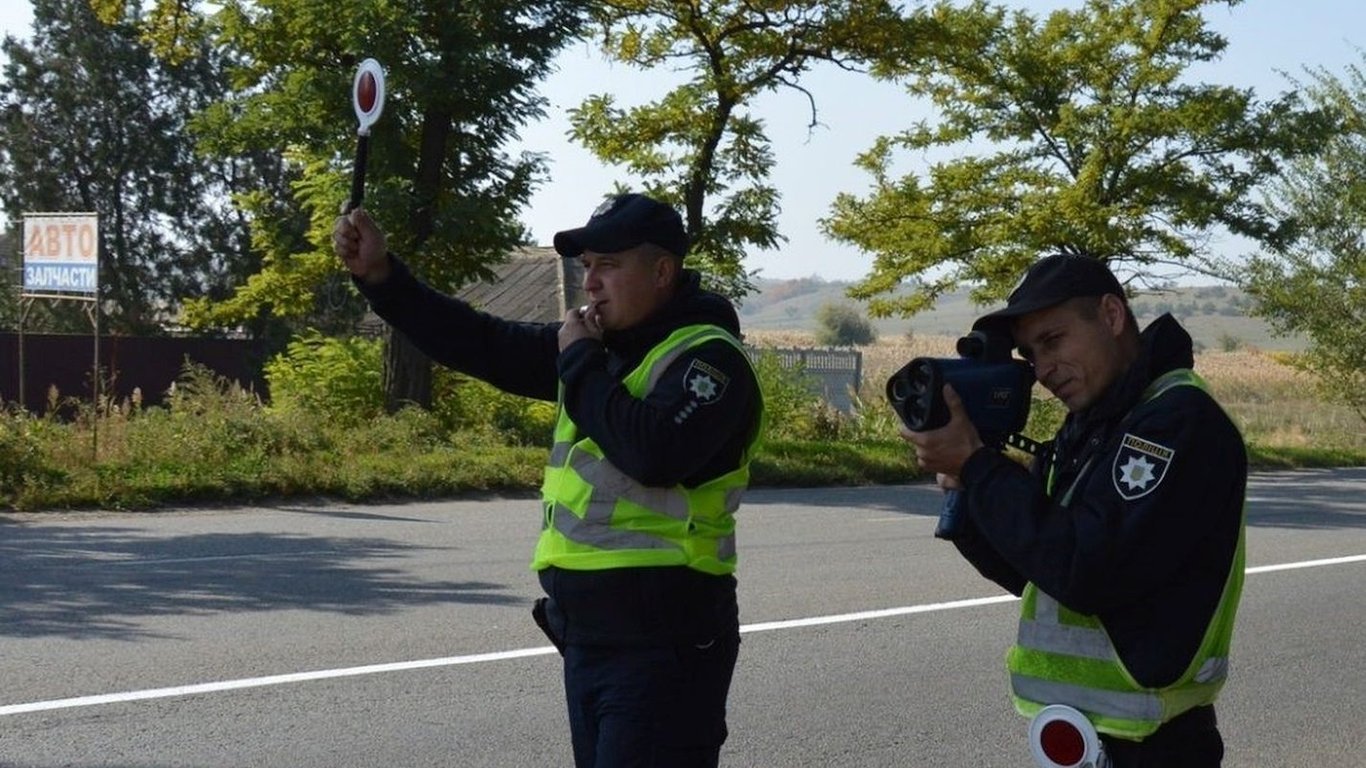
1273	402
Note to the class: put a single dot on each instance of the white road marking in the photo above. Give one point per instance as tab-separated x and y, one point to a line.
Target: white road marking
479	658
1307	564
258	682
815	621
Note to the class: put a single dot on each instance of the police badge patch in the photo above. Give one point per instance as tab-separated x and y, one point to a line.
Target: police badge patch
705	382
1139	466
604	207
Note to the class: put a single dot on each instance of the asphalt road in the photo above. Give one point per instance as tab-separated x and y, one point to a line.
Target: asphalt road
399	635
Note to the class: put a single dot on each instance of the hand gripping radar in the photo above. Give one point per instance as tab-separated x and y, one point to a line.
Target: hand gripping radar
994	388
367	97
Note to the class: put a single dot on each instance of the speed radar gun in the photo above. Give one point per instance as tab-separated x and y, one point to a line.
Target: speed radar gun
994	388
1062	737
367	97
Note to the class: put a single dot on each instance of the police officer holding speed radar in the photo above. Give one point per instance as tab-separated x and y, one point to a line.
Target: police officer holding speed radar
659	416
1125	537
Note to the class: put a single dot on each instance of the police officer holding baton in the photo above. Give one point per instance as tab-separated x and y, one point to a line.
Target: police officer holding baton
659	416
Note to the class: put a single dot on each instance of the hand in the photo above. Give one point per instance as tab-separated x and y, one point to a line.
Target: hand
945	450
361	246
579	324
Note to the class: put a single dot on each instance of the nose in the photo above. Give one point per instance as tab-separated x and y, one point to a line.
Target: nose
1044	366
591	281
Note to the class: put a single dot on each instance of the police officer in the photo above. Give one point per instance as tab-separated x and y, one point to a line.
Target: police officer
1125	538
659	416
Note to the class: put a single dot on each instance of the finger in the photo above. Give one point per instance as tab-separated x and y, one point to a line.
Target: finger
346	236
344	239
954	402
360	219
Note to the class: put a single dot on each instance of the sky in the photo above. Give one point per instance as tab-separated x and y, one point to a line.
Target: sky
1266	40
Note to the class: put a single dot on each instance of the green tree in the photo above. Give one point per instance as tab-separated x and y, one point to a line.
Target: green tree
460	81
842	325
1317	287
91	121
9	282
1078	132
698	146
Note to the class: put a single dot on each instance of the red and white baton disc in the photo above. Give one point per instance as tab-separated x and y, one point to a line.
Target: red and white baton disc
367	94
1062	737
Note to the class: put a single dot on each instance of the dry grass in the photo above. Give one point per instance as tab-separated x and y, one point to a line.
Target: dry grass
1274	403
880	359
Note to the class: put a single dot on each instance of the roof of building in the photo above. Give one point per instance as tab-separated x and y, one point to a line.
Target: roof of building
533	285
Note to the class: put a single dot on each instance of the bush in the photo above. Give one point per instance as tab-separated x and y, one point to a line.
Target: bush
793	408
841	325
464	403
339	378
23	461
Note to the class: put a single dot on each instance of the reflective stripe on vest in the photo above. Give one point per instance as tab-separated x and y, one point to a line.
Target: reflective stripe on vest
596	517
1064	657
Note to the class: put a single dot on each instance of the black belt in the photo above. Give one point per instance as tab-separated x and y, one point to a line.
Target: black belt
1174	733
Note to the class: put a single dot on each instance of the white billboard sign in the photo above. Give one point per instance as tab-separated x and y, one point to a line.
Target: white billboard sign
61	252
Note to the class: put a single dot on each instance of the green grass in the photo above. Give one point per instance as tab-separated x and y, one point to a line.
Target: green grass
394	461
217	444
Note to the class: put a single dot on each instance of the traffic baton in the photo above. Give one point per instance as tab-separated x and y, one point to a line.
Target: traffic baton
1062	737
367	97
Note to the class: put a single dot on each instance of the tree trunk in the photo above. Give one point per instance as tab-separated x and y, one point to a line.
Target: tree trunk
407	373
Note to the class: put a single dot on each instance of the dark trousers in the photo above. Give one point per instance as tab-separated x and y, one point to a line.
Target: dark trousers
1190	740
648	707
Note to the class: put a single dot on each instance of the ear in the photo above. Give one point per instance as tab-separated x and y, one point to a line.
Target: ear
666	271
1112	312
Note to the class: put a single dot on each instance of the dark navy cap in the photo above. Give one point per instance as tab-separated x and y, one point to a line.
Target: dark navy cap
623	222
1053	280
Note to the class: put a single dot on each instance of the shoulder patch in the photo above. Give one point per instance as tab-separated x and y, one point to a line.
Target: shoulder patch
1139	466
705	382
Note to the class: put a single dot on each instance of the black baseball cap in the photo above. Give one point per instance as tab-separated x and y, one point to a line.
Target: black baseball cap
625	221
1051	281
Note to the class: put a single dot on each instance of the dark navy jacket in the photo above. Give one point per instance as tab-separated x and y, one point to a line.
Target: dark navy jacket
1145	545
673	435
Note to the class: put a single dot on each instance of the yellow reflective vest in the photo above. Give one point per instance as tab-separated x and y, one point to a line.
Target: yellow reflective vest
1064	657
598	518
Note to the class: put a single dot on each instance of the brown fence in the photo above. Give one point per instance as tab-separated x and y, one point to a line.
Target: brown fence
149	364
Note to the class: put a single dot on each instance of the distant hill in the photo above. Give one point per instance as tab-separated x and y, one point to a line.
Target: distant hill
1216	316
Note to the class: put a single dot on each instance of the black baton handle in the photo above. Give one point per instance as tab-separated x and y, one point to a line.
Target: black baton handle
358	172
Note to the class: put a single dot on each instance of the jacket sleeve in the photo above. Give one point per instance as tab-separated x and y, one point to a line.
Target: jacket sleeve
1166	484
515	357
972	543
704	405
